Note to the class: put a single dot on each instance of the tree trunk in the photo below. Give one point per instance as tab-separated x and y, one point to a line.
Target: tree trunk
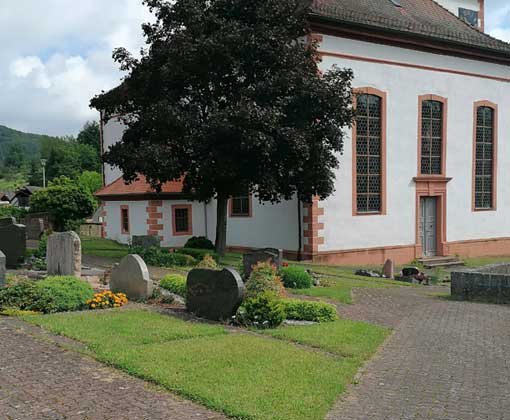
221	224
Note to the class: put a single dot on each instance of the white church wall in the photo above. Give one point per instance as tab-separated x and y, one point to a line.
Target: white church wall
112	133
403	85
137	220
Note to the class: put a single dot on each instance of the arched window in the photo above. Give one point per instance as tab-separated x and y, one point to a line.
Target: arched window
485	156
369	152
432	137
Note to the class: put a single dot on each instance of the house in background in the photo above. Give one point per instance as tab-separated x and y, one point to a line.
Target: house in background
424	167
5	197
22	196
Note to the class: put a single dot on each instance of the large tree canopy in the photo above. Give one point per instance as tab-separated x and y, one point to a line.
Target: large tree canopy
229	94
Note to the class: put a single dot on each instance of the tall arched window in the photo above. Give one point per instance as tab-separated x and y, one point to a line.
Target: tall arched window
484	160
432	137
369	137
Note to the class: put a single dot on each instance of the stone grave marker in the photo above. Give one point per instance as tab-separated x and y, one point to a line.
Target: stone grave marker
131	277
63	254
3	269
214	295
35	228
146	241
13	242
389	269
272	255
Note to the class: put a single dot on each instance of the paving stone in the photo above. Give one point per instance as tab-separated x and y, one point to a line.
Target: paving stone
40	380
446	360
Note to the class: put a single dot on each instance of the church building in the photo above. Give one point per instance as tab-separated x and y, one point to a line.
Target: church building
425	168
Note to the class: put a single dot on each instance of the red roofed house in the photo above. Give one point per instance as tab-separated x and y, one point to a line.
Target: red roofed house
424	169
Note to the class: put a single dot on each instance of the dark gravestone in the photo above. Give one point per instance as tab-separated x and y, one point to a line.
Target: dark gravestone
13	242
146	241
410	271
272	255
35	229
214	295
2	269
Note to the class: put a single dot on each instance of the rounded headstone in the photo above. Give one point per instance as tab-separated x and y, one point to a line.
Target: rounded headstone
131	277
214	295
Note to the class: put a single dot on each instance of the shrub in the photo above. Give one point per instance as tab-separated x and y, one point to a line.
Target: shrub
208	263
304	310
61	294
263	279
296	277
19	294
174	283
53	294
106	300
264	311
198	254
200	242
162	258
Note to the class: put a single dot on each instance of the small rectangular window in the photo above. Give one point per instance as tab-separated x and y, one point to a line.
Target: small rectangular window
124	219
182	220
241	206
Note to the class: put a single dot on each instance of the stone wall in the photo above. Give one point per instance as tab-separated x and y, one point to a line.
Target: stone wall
487	284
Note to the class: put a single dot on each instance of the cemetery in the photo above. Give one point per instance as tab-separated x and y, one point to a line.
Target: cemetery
179	317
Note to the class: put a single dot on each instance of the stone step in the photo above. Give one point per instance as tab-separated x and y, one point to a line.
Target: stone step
453	263
448	258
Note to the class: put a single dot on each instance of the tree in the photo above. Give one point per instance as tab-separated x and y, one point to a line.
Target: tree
35	174
90	181
15	157
229	96
66	201
89	135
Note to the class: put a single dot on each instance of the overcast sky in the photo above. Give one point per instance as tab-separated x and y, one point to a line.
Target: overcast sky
56	55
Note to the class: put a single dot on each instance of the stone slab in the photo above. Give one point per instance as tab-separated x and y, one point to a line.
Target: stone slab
35	229
13	242
146	241
3	269
214	295
481	285
132	277
63	254
272	255
389	269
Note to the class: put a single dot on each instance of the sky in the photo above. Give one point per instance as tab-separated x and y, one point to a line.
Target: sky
56	55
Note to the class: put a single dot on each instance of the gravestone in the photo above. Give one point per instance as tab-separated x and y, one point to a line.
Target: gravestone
214	295
35	228
13	242
272	255
389	269
63	254
3	269
131	277
410	271
146	241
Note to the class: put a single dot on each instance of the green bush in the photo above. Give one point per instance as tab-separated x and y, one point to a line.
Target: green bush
296	277
263	279
19	294
174	283
264	311
198	254
53	294
10	211
208	263
200	242
62	294
304	310
160	257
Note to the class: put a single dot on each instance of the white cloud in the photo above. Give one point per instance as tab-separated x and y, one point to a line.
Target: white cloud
56	55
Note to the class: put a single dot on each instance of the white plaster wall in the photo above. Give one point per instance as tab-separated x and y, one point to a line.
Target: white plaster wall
112	133
271	225
198	220
403	86
137	220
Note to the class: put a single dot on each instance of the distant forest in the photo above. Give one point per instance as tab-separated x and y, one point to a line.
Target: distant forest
21	154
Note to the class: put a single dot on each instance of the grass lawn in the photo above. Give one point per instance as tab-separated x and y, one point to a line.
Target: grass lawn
481	261
100	247
244	375
344	337
337	283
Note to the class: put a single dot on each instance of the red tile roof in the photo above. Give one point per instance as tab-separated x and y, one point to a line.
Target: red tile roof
138	187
